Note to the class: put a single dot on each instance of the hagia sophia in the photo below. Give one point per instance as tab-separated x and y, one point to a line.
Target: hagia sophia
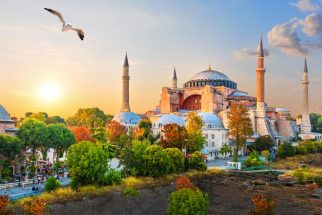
210	93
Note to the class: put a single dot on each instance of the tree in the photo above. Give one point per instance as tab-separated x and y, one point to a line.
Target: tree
55	120
60	138
263	143
87	117
225	149
144	131
87	163
195	138
285	150
99	131
82	133
177	160
173	136
196	161
240	126
156	161
10	149
115	130
313	119
33	134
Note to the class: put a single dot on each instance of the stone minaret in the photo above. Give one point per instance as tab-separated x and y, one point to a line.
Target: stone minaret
260	72
306	124
174	80
125	87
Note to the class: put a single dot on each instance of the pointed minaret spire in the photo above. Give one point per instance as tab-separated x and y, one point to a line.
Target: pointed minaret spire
306	124
126	62
209	67
126	87
174	79
305	66
261	50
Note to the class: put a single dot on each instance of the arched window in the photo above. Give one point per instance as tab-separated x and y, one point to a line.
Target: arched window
206	144
206	136
213	144
209	126
212	136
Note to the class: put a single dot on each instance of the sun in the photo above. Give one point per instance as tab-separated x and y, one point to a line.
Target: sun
50	92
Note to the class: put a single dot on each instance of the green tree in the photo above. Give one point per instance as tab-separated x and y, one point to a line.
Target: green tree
225	149
144	131
195	139
87	163
196	161
240	127
156	161
263	143
99	131
10	149
285	150
60	138
87	117
313	119
34	134
177	160
52	184
55	120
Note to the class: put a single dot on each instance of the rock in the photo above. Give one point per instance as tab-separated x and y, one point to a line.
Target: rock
285	178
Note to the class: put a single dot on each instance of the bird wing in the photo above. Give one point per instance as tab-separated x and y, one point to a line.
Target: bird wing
60	16
80	32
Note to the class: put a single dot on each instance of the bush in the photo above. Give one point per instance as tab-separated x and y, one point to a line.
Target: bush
187	201
35	207
266	154
196	162
183	182
130	191
310	146
156	161
113	177
4	205
264	204
87	163
285	150
52	184
263	143
301	150
303	175
253	160
177	160
57	165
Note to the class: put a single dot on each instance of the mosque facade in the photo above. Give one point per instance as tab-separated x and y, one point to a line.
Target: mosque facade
7	125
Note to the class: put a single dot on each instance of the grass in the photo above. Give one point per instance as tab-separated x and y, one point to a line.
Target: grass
66	194
296	161
307	174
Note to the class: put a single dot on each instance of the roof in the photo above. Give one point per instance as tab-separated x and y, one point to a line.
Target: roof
4	115
126	62
238	93
209	75
127	118
211	119
170	119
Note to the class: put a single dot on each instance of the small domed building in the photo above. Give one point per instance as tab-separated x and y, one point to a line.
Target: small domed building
7	125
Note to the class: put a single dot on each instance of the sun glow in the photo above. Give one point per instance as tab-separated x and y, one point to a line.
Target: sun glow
50	92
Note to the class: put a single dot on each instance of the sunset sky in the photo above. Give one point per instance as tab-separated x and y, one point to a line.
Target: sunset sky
43	69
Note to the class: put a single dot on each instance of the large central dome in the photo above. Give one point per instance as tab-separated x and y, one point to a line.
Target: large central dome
209	75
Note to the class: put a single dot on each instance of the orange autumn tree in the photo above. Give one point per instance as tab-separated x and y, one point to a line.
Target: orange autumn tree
82	133
115	130
240	127
173	136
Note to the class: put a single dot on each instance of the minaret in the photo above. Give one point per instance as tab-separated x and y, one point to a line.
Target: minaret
260	72
125	87
306	124
174	80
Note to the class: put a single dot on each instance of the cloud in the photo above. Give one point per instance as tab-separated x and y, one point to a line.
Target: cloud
246	53
285	37
312	24
306	5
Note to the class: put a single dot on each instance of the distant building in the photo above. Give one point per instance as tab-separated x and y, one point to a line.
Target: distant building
7	125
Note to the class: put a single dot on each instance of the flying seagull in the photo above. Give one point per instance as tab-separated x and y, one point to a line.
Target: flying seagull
66	26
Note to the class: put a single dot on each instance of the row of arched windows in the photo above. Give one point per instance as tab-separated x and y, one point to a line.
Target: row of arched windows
214	83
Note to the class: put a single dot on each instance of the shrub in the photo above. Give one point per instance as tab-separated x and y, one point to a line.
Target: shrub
183	182
264	204
52	184
263	143
156	161
113	177
130	191
4	205
196	162
301	150
310	146
57	165
253	160
303	175
35	207
266	154
177	160
187	201
87	163
285	150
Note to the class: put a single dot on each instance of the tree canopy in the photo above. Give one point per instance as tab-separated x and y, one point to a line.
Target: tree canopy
87	117
263	143
173	136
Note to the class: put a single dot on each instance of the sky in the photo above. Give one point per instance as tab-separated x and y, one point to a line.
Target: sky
43	69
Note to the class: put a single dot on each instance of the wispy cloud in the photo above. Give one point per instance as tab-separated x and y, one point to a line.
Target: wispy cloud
306	5
247	53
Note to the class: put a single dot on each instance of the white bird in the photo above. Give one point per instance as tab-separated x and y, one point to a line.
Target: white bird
66	26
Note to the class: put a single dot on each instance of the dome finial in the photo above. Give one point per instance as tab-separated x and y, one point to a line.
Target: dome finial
209	67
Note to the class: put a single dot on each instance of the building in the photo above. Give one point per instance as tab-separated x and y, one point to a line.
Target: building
125	116
7	125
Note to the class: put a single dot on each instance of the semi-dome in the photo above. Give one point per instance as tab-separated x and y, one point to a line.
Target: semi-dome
239	93
169	119
209	75
127	118
211	120
4	116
